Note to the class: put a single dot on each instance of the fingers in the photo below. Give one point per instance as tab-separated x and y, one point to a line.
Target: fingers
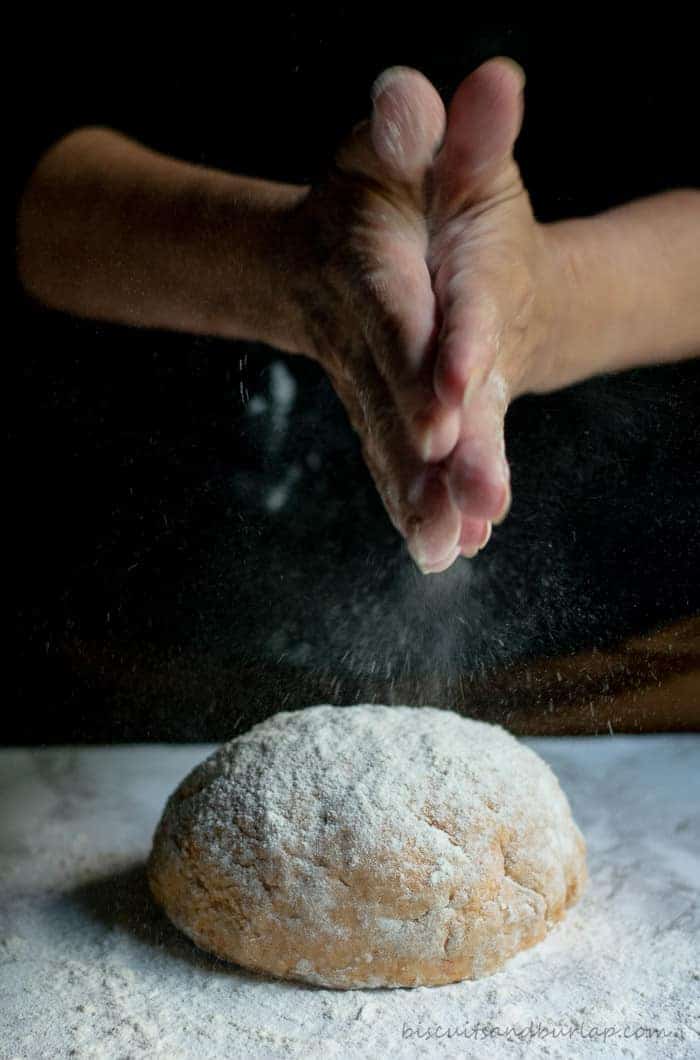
408	123
478	476
481	221
433	537
428	342
415	495
401	333
446	510
396	149
485	280
470	339
484	119
399	141
474	535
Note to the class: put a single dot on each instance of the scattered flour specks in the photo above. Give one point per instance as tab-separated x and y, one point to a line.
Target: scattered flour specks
90	968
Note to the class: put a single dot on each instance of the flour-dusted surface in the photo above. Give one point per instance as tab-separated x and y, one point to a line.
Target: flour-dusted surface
368	846
90	968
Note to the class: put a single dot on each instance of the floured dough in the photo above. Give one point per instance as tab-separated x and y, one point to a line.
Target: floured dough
368	846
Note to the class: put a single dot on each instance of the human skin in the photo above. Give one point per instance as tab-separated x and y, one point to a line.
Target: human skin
415	274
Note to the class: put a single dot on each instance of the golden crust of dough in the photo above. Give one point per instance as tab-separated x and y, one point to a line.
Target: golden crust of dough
402	917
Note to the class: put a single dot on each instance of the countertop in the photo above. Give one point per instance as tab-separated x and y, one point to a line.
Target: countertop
90	967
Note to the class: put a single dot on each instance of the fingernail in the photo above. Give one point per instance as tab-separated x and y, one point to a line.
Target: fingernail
438	566
418	557
425	559
503	511
487	536
384	79
418	554
445	565
426	445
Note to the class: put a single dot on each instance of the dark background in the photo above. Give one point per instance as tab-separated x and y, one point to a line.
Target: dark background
156	591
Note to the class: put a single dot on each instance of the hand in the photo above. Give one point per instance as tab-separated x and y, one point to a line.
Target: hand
490	268
420	286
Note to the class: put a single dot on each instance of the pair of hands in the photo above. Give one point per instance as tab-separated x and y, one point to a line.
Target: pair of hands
422	287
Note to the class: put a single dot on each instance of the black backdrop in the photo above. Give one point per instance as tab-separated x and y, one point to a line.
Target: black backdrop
184	559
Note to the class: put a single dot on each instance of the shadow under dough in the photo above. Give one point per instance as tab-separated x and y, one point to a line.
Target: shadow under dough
123	901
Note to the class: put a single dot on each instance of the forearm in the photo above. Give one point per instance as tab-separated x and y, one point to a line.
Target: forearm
625	289
111	230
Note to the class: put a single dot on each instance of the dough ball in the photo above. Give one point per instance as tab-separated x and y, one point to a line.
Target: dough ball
368	846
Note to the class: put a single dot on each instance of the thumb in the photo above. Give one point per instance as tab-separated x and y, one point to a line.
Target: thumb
483	122
400	140
408	122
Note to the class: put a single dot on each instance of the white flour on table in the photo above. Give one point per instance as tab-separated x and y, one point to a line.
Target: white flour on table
90	969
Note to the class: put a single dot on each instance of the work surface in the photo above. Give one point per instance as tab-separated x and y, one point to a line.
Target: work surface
91	968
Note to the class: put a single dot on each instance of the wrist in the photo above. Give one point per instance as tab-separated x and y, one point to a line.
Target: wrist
583	306
623	289
557	284
249	240
536	365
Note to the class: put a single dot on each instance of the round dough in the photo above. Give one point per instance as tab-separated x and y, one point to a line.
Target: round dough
368	846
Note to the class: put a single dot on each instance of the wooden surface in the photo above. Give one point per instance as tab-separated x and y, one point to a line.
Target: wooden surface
648	684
